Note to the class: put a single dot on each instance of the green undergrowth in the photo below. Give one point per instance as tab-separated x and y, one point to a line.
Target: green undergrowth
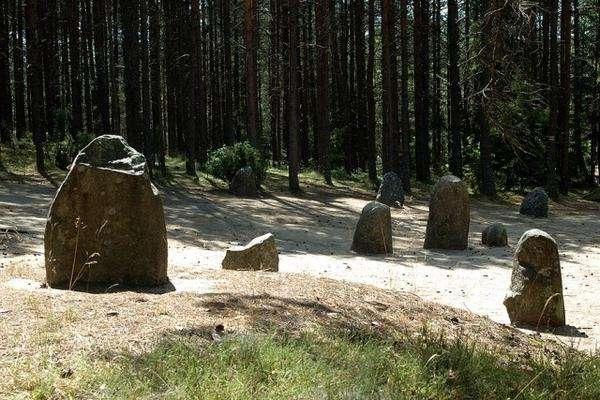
324	364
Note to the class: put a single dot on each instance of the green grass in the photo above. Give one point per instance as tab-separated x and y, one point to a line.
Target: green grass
318	365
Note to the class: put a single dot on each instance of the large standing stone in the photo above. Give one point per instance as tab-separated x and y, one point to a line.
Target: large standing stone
106	224
390	191
449	215
535	296
258	255
373	234
494	235
243	183
535	204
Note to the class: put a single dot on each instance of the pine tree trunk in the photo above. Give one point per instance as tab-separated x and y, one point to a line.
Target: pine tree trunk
72	8
158	142
6	118
130	14
251	46
421	83
391	142
292	96
51	67
455	116
115	103
578	66
404	106
19	77
564	116
274	82
145	75
370	147
552	183
101	81
436	107
35	71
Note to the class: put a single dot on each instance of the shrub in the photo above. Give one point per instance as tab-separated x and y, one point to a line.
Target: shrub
226	161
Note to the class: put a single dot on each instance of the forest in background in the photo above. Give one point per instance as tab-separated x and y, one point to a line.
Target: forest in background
503	93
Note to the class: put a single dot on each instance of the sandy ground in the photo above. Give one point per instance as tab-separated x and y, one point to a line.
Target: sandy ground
314	234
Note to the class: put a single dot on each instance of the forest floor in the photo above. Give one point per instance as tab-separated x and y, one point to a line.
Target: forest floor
460	292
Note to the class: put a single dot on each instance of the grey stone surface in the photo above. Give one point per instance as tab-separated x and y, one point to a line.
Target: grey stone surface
535	296
449	215
106	224
258	255
373	234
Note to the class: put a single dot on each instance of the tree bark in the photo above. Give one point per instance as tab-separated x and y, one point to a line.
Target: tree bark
564	117
72	7
421	83
130	14
101	81
292	96
6	118
251	46
455	116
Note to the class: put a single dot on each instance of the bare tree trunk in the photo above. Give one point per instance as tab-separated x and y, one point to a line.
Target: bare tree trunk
455	116
72	7
370	147
421	81
101	84
6	120
158	142
18	52
563	139
35	70
251	44
391	136
130	14
292	97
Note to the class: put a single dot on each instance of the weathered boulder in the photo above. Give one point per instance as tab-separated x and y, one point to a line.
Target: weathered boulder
390	191
535	203
535	296
243	183
106	224
373	234
494	235
449	215
258	255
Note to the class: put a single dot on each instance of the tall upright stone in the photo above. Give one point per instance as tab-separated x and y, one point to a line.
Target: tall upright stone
106	224
535	296
373	234
390	191
449	215
535	203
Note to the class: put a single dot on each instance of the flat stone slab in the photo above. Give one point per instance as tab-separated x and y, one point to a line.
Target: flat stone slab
258	255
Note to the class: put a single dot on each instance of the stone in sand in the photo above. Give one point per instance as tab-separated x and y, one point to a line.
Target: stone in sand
535	204
373	234
106	224
258	255
535	296
449	215
494	235
390	191
243	183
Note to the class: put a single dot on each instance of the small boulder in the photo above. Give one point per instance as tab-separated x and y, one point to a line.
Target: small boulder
494	235
449	215
258	255
535	296
390	191
373	234
106	224
243	183
535	203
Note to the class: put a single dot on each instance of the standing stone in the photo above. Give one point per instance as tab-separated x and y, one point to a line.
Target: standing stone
390	191
373	234
494	235
106	224
535	296
535	204
449	215
243	183
258	255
